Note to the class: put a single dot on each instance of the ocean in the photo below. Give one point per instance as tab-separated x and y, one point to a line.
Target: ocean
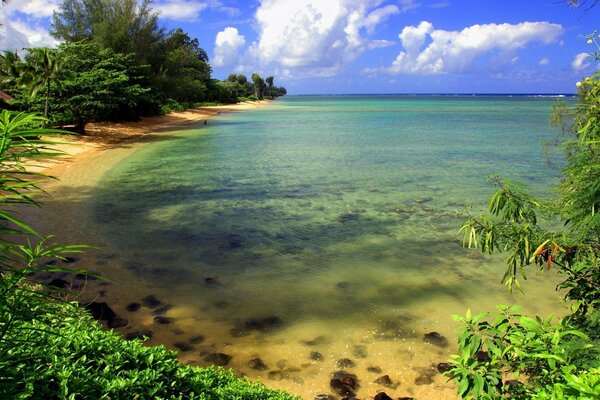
320	233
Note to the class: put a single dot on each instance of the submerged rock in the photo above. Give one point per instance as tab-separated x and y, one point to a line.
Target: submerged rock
151	301
444	367
436	339
345	363
196	339
316	356
382	396
316	341
212	282
162	309
374	370
133	307
183	347
425	376
220	359
100	311
277	375
384	381
139	334
234	241
344	383
264	324
360	351
257	364
163	320
117	322
347	217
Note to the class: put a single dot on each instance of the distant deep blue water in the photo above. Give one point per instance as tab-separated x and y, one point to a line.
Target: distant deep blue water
337	214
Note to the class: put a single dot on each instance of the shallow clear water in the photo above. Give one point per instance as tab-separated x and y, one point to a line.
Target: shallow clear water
337	215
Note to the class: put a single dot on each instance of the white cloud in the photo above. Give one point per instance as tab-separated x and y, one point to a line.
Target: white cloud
581	61
21	24
190	10
544	61
316	37
34	8
431	51
228	43
180	10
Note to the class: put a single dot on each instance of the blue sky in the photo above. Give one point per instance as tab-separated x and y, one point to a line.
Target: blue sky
370	46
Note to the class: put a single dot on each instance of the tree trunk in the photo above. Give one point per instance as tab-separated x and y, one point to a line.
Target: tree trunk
46	105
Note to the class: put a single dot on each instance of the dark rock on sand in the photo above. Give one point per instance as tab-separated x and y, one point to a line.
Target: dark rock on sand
100	311
384	381
183	347
139	334
151	301
257	364
382	396
375	370
444	367
197	339
345	363
344	383
220	359
436	339
163	320
423	379
406	398
360	351
316	356
133	307
117	322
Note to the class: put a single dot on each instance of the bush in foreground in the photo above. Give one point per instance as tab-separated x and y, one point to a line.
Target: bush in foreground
63	353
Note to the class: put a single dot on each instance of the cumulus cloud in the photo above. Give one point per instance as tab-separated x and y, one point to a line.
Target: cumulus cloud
316	37
544	61
431	51
228	43
21	27
581	61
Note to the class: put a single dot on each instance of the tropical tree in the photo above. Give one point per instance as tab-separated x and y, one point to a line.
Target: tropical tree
124	26
11	66
269	82
259	85
40	70
100	85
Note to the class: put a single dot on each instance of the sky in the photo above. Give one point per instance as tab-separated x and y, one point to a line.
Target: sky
370	46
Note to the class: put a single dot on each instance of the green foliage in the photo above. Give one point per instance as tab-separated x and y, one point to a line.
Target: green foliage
496	351
555	361
63	354
101	85
124	26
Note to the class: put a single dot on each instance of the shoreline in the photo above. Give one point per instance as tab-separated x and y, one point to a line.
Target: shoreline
103	136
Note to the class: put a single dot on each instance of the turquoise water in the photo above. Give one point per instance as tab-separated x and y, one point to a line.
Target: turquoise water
337	215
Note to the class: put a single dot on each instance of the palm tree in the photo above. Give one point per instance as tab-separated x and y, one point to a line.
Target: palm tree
10	68
40	70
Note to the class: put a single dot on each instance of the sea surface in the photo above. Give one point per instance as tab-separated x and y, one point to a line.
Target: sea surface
324	228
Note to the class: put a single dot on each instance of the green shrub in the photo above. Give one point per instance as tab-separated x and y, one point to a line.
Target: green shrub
63	353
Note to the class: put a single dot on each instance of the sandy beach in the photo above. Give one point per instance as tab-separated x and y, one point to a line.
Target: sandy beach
102	136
